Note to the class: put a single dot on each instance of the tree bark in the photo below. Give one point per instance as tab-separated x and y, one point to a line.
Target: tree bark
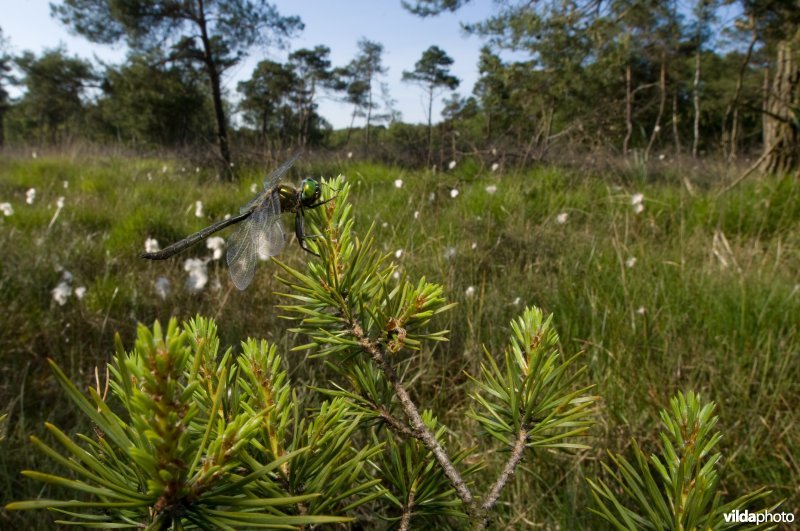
733	107
216	93
675	122
662	101
628	110
781	135
430	125
696	101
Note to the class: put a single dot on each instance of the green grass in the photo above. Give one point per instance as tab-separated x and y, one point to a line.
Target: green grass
678	319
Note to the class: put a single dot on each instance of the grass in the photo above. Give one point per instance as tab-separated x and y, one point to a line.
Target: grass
712	302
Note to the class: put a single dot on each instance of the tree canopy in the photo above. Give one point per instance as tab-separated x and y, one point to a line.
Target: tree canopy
215	34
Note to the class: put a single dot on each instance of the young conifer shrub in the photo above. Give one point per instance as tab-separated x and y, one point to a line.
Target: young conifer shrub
193	437
678	488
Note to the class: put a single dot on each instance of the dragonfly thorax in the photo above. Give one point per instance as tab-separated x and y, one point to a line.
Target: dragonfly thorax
292	199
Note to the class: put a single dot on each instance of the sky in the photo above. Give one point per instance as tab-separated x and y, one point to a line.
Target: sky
338	24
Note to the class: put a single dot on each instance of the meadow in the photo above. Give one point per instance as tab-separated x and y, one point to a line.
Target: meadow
664	286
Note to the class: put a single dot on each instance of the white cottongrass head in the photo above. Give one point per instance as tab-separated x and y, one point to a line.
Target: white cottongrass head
80	291
516	301
562	218
449	253
61	293
34	155
495	166
451	165
473	246
198	274
630	262
491	189
454	193
7	209
431	197
470	291
638	208
30	196
349	154
398	183
637	199
398	253
164	168
162	287
60	202
198	209
151	245
416	214
254	188
63	289
216	244
66	185
641	310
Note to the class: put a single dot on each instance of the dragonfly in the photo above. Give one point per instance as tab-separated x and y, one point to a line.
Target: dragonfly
260	233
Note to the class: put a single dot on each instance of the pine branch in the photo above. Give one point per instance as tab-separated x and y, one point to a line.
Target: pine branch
420	431
508	470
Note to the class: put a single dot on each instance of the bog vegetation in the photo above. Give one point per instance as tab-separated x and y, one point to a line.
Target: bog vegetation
609	226
660	289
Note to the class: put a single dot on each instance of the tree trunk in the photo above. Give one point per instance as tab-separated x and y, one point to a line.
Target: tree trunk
352	123
781	135
430	125
662	100
628	110
733	107
216	93
676	135
696	101
369	110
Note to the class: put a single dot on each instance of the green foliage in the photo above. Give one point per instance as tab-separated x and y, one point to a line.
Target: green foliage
412	478
203	439
676	319
534	390
356	280
356	307
678	489
53	102
155	105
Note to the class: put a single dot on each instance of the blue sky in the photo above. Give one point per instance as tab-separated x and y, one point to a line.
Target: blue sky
338	24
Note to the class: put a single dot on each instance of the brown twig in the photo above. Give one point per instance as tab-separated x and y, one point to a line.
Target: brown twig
508	471
408	510
395	424
420	431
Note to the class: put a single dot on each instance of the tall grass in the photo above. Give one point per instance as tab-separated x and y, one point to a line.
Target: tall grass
695	292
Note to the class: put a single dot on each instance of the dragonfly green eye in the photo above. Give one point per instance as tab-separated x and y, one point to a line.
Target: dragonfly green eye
310	191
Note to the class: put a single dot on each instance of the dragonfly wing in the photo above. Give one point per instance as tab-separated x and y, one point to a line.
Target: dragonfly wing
274	177
269	233
242	255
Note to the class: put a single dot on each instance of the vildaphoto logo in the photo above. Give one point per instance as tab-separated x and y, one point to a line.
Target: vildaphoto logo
746	517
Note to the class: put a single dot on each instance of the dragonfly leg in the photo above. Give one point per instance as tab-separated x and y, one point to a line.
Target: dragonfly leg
299	219
315	205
